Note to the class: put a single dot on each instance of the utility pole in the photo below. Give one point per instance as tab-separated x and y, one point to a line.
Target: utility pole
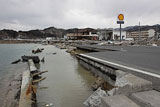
156	33
139	38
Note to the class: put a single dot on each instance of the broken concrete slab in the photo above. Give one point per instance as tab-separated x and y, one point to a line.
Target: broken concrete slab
25	98
118	101
147	98
32	67
120	74
95	99
129	83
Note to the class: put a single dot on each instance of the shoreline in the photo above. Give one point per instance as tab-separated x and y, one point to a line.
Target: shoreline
16	41
11	84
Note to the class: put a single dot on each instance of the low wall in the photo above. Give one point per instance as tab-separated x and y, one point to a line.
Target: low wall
28	95
108	72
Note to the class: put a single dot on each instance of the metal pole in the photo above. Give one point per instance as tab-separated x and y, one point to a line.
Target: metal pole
120	32
139	32
156	36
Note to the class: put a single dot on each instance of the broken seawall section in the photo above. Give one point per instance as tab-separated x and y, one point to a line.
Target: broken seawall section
30	79
28	95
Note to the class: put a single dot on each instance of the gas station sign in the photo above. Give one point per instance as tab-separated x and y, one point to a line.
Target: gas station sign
120	21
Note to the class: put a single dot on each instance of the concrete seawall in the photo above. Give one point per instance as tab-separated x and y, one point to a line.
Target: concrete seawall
108	71
127	85
28	94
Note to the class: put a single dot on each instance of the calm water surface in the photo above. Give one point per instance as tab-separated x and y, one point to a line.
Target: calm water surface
67	83
8	54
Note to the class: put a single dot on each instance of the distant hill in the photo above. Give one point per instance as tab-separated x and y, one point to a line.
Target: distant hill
58	32
8	34
32	34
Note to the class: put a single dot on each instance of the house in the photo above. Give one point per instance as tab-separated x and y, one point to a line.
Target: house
82	34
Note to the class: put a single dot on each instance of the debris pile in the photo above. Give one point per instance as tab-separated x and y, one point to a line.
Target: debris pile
37	51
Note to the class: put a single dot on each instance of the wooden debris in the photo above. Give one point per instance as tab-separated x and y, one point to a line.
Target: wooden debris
38	73
34	88
15	62
42	60
38	80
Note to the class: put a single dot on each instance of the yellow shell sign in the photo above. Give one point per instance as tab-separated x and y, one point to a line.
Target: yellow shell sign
121	17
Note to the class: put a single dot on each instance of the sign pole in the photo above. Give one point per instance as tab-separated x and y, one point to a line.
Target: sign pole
120	33
120	22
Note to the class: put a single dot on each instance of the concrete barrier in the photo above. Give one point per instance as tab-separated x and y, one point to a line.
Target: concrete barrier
109	70
124	81
27	96
32	67
106	72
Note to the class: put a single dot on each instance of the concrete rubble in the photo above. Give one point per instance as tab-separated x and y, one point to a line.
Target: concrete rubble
147	98
71	50
95	99
129	83
125	85
118	101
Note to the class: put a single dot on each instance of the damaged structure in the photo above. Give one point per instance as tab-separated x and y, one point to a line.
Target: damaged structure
30	79
143	34
83	34
132	87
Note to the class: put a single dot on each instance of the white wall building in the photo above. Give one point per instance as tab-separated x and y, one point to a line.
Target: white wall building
116	35
144	34
105	34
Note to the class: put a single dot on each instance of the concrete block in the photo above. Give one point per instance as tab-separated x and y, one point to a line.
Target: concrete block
130	84
32	67
120	74
147	98
25	97
117	101
95	99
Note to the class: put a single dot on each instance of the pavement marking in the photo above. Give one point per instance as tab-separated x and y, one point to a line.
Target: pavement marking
123	66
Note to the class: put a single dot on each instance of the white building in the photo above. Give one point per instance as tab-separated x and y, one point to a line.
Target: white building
105	34
144	34
116	35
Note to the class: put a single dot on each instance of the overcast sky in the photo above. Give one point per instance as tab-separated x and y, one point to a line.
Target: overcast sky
39	14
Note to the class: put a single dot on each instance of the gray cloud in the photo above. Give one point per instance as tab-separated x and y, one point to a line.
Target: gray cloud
33	14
